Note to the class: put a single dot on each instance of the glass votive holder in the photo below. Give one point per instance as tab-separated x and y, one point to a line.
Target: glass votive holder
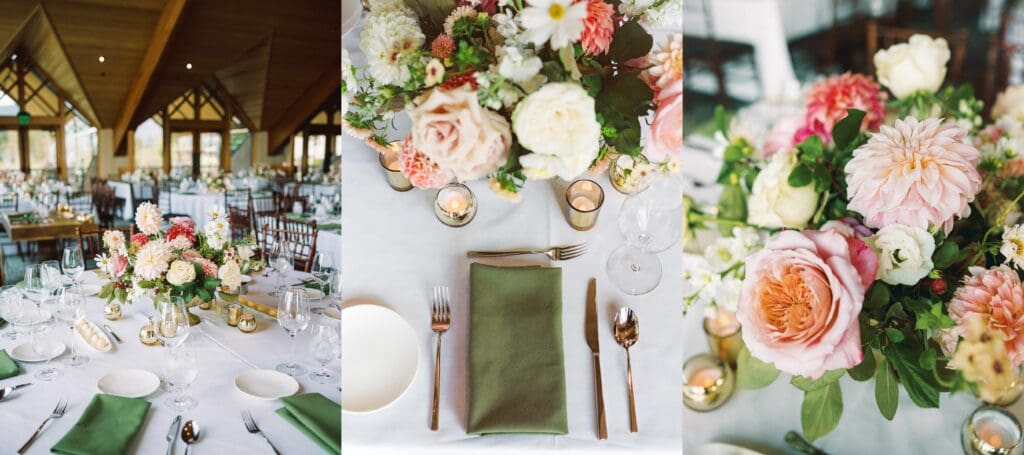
708	382
455	205
234	313
991	430
583	203
393	170
1010	394
629	174
725	338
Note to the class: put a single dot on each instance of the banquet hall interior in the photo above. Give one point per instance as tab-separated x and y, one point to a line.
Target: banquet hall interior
105	105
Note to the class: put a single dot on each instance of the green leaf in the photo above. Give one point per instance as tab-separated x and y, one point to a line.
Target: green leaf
811	149
721	121
800	176
822	179
847	129
878	296
630	41
752	373
927	359
821	410
807	384
887	391
896	311
866	368
946	255
920	383
732	205
894	334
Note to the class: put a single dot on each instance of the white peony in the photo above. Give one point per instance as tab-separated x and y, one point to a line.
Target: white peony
181	272
1010	103
1013	245
385	39
904	253
114	240
774	203
518	64
148	219
230	275
918	65
152	260
559	125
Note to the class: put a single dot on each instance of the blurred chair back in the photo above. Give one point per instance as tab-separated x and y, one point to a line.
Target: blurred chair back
90	242
301	238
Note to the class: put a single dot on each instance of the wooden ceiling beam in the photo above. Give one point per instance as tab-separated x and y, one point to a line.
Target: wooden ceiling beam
169	19
324	87
9	46
225	96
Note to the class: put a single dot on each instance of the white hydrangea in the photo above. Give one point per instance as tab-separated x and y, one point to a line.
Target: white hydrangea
348	80
218	232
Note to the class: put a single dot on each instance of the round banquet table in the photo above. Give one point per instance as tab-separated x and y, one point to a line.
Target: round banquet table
397	251
222	353
195	205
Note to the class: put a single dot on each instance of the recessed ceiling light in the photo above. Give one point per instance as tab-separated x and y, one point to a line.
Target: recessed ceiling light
188	66
14	56
102	59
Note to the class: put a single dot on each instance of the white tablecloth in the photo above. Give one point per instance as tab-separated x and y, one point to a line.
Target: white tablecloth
123	190
195	206
330	243
222	352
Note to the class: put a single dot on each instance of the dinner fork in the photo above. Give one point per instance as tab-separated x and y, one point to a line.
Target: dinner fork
251	427
440	319
558	253
58	412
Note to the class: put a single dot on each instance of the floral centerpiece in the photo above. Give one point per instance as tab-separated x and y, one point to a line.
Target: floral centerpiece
874	238
218	182
510	90
180	261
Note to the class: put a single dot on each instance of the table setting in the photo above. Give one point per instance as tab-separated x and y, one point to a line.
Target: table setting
508	264
117	361
847	267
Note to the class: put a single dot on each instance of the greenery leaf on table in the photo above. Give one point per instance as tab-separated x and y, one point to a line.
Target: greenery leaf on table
821	410
807	384
798	443
752	373
887	392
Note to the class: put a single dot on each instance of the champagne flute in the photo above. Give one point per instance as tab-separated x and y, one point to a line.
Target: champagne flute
325	346
336	288
293	316
71	311
12	309
46	344
180	371
171	321
72	263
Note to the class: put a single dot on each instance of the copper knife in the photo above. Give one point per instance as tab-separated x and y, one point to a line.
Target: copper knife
595	350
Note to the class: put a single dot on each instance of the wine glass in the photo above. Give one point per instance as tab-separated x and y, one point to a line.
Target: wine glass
180	371
325	346
171	321
651	221
71	311
336	288
33	283
72	263
293	316
322	270
51	276
12	309
46	344
282	262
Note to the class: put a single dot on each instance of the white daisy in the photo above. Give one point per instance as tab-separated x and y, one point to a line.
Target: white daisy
1013	245
435	73
560	21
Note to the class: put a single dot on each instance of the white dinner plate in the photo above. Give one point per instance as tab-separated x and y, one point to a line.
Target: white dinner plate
351	12
90	290
721	448
266	384
381	354
332	313
24	353
129	383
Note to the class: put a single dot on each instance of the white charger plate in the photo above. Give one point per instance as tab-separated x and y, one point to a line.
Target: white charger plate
266	384
381	354
24	353
129	383
351	12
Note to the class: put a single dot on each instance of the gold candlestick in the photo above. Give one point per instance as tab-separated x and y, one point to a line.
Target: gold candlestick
724	335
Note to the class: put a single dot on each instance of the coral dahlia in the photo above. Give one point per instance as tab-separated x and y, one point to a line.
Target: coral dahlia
829	99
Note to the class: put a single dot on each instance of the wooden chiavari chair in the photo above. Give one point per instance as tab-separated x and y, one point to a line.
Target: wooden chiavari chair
90	242
81	201
263	210
301	239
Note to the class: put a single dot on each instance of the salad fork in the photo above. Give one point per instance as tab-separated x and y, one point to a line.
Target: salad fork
440	320
58	412
251	427
558	253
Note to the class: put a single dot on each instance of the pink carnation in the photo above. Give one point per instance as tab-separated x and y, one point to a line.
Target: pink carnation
209	268
800	302
598	27
139	239
419	169
828	101
996	296
918	173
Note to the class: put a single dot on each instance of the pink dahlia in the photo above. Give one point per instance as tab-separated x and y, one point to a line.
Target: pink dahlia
422	172
996	296
829	99
184	222
666	65
918	173
598	27
442	47
209	268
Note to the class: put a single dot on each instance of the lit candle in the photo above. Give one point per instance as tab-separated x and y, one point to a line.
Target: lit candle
992	430
393	169
455	205
723	333
708	382
584	199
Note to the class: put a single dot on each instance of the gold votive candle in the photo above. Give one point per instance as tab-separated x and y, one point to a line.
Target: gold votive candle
708	382
991	430
455	205
234	313
247	322
112	310
393	170
725	339
147	335
583	202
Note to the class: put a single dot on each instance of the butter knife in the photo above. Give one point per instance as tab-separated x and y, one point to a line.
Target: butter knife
595	350
113	335
172	434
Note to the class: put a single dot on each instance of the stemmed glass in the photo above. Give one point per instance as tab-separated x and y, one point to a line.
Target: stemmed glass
11	309
51	276
46	344
180	371
282	262
171	321
71	311
72	263
651	222
336	288
325	346
293	316
33	282
322	270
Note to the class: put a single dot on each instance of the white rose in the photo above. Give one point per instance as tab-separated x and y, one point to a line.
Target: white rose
918	65
904	253
774	203
458	134
517	65
559	125
230	275
181	272
1010	102
245	252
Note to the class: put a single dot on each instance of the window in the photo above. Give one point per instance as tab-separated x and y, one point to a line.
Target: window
79	145
209	159
42	151
297	151
317	150
9	150
181	153
149	146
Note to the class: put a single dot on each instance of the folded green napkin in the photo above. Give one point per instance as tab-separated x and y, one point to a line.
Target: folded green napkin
107	426
23	218
316	417
516	365
331	227
7	366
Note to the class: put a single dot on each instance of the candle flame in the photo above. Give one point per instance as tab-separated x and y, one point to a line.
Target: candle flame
995	440
587	186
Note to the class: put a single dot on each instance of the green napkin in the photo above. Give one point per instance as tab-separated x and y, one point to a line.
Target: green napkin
316	417
516	365
107	426
7	366
331	227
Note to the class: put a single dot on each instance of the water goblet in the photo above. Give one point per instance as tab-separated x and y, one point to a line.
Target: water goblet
71	310
46	344
293	316
72	263
325	345
180	371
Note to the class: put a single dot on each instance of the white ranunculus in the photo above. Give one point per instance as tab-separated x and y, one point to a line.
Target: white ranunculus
230	275
774	203
904	253
517	64
181	272
1010	102
559	125
918	65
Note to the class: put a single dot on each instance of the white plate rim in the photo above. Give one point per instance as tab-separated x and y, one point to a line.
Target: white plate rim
416	369
130	371
97	330
13	353
294	384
